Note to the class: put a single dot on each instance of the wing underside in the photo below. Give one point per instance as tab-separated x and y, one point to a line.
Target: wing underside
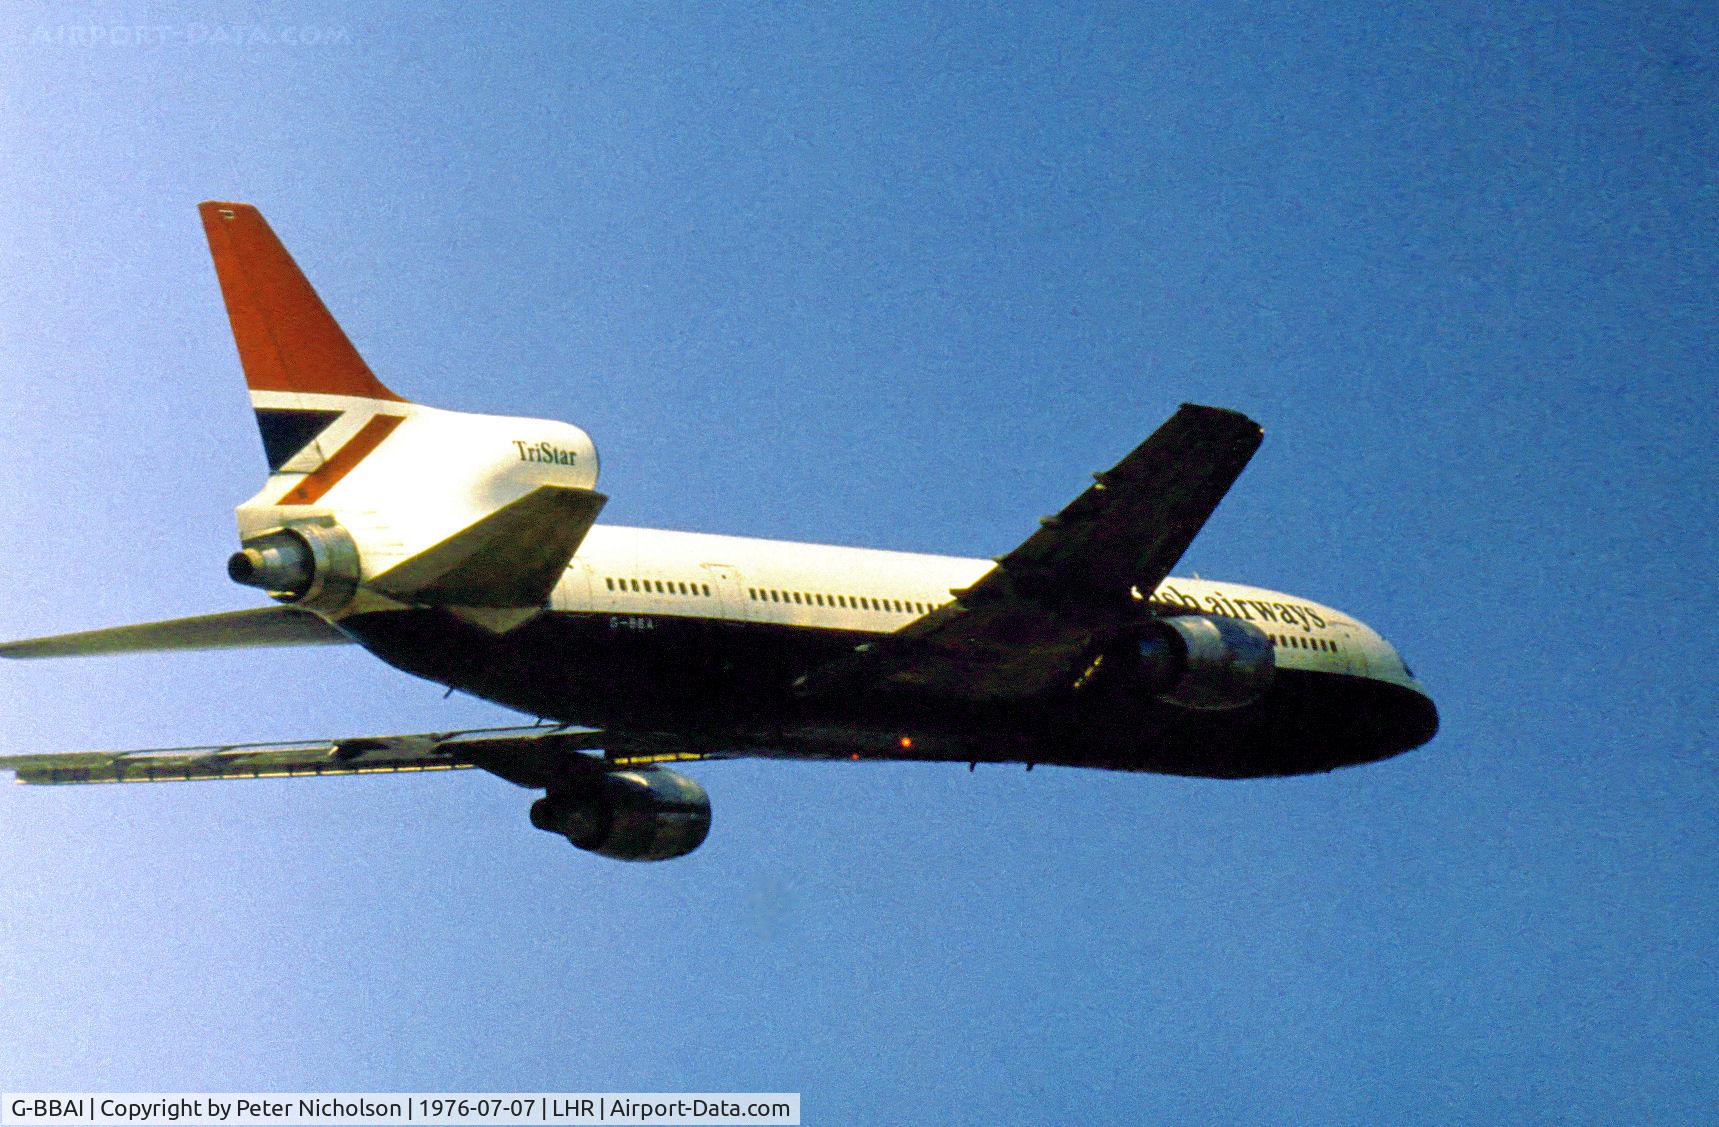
532	757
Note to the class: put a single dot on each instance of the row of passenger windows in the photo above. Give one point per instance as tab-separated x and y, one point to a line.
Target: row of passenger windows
1301	643
859	602
850	602
657	586
768	595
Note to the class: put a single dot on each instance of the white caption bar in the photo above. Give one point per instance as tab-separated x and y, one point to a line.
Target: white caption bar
349	1109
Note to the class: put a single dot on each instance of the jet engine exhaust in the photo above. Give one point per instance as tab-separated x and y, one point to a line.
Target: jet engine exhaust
314	565
281	562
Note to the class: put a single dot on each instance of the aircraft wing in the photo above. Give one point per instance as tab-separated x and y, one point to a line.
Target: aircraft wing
531	757
1017	631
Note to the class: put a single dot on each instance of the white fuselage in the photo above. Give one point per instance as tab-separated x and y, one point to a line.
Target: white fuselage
637	574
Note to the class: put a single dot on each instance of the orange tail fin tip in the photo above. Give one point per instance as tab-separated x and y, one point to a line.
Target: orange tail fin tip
288	341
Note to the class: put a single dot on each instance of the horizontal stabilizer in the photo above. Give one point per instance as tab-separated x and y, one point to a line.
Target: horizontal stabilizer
511	558
264	626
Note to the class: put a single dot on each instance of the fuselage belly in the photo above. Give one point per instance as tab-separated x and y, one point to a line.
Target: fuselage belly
728	686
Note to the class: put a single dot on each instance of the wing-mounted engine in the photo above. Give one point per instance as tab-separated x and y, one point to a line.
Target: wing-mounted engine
1204	662
640	814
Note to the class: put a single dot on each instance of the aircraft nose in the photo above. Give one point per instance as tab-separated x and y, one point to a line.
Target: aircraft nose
1420	722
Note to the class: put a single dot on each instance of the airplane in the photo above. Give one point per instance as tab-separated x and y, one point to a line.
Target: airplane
465	549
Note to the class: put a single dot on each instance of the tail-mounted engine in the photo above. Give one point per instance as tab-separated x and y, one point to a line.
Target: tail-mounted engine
370	493
641	814
314	565
1198	661
450	515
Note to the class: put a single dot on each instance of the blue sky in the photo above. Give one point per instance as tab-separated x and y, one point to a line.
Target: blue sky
899	277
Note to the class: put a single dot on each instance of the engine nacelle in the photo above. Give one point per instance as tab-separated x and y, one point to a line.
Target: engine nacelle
313	565
1208	663
640	814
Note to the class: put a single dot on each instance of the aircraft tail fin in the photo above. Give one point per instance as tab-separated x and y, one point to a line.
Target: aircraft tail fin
302	371
371	494
288	341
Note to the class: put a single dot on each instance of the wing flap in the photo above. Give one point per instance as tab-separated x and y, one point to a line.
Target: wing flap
533	757
237	761
264	626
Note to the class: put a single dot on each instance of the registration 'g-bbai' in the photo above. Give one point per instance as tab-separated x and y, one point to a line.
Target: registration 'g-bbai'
464	549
